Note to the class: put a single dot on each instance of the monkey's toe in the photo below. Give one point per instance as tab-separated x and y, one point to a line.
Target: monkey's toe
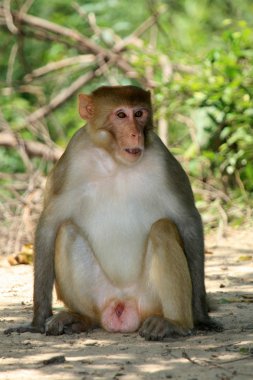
157	328
66	323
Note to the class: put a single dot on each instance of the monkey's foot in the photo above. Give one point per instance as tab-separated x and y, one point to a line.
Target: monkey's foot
158	328
66	323
208	324
28	327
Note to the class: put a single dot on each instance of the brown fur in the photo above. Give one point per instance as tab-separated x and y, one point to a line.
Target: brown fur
119	214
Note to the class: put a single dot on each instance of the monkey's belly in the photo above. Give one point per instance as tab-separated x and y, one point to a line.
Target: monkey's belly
86	289
118	235
120	316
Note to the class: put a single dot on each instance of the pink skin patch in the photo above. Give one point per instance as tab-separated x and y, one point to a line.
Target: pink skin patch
119	309
120	316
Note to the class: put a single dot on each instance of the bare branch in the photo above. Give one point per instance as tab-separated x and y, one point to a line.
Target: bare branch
11	63
82	41
32	148
184	68
147	24
26	6
191	126
91	18
8	17
93	24
38	22
53	66
104	58
65	94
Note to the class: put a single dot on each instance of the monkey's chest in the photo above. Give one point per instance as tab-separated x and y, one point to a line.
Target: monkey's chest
117	223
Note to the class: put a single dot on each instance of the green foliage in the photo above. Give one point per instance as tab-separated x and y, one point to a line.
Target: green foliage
10	161
197	56
219	98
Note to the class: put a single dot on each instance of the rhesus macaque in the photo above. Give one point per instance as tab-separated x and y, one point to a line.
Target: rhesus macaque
119	234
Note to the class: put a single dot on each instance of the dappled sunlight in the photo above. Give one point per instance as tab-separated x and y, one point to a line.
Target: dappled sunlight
97	353
195	58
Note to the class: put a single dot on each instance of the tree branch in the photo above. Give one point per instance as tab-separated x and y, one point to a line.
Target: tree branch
82	41
104	59
63	95
38	22
32	148
6	13
57	65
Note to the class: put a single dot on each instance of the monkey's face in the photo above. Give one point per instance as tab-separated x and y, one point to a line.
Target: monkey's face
119	119
127	125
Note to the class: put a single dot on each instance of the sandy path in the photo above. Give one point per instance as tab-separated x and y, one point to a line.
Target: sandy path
100	355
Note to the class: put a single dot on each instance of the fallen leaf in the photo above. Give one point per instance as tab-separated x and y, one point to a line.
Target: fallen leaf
23	257
245	258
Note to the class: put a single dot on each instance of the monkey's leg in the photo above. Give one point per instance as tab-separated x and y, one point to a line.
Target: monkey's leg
170	278
74	272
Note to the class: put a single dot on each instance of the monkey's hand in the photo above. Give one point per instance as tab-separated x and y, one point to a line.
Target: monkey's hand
158	328
27	327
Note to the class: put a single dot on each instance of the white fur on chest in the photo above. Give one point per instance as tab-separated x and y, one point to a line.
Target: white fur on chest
117	207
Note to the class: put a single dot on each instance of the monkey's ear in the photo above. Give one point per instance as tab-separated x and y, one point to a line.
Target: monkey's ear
86	106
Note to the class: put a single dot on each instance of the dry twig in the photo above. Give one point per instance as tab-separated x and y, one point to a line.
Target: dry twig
6	12
53	66
32	148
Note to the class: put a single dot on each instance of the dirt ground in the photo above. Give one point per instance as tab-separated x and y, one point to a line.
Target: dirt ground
101	355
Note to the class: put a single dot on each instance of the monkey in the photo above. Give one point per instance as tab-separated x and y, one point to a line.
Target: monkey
119	235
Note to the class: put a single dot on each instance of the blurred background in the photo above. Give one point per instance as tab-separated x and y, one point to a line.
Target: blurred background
195	56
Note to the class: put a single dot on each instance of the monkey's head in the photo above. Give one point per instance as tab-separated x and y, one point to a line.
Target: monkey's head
118	120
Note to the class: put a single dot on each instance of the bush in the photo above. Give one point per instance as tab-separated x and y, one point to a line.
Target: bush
218	98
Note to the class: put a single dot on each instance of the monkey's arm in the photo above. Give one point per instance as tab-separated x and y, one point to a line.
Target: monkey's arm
43	261
44	247
189	223
43	270
191	231
43	278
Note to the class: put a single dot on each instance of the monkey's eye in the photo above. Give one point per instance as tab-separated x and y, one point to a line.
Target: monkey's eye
121	114
138	114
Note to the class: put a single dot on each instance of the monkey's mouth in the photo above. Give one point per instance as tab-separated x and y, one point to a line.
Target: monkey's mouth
134	151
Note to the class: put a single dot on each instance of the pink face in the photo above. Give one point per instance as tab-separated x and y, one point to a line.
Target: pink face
119	129
127	124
